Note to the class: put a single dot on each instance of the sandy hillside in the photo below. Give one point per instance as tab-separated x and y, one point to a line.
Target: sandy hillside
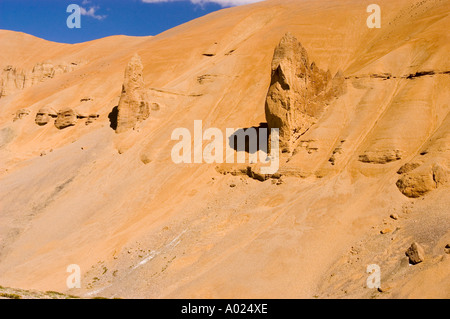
366	180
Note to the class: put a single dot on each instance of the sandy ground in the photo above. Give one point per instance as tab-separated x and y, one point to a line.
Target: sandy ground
141	226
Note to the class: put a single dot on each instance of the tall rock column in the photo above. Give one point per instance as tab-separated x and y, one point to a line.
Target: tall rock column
298	92
133	105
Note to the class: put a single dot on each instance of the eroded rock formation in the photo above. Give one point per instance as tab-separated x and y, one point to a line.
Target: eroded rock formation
66	117
382	156
299	91
44	115
84	110
133	105
420	180
13	79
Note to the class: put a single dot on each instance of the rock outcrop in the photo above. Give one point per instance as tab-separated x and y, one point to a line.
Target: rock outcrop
299	91
66	117
13	79
44	115
133	105
85	110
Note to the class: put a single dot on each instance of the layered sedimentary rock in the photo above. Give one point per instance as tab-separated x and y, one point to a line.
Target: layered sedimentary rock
13	79
44	115
299	91
133	105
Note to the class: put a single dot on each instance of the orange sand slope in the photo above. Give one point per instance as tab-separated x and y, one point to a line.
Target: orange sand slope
139	225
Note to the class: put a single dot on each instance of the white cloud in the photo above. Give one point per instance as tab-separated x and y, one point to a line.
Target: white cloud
91	13
223	3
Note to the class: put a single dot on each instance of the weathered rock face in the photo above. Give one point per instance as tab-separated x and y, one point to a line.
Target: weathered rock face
44	115
66	117
298	93
13	79
20	114
85	110
133	105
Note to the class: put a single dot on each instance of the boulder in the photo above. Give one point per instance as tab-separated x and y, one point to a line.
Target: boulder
11	80
415	253
423	179
382	156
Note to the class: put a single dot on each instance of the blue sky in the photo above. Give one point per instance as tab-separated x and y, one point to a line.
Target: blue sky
100	18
